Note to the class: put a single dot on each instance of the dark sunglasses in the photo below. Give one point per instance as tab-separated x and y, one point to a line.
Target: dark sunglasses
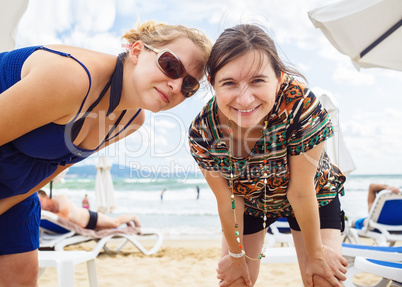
172	67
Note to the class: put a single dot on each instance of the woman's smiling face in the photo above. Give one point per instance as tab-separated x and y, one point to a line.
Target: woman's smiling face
246	89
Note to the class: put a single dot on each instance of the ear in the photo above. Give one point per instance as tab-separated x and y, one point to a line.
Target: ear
135	51
279	83
209	80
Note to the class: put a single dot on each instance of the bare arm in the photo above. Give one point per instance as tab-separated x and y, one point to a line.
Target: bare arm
374	188
49	91
231	268
302	196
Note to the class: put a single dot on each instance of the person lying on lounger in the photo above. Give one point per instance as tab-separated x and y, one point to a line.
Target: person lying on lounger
374	188
65	208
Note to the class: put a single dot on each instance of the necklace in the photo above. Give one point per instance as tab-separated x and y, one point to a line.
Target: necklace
231	186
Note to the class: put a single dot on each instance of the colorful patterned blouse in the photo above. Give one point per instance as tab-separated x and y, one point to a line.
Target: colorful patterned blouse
296	124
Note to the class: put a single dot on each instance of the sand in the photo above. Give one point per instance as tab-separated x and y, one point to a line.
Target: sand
178	263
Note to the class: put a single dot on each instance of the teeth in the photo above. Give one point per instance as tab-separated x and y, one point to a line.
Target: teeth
246	111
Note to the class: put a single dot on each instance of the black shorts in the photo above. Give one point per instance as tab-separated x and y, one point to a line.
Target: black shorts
331	217
93	220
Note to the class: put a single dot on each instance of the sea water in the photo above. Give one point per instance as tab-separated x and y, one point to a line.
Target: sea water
180	214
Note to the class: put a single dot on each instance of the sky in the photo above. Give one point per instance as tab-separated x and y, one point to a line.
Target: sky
369	100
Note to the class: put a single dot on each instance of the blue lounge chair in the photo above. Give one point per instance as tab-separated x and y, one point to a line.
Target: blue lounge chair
391	272
379	253
384	224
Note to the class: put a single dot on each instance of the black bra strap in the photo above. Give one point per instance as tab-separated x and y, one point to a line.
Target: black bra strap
117	84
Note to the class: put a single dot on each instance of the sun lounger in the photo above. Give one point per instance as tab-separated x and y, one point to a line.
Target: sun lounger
57	233
381	253
279	232
384	224
391	272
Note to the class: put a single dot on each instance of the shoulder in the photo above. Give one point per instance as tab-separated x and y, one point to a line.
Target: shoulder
292	91
61	198
68	72
69	67
295	98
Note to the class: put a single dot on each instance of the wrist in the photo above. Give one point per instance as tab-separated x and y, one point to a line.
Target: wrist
315	252
236	255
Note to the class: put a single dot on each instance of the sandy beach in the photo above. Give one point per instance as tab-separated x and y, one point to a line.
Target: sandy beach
178	263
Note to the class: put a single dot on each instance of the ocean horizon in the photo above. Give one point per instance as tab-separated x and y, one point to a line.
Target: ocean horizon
180	214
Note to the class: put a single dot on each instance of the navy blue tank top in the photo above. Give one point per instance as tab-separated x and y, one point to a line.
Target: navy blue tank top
29	159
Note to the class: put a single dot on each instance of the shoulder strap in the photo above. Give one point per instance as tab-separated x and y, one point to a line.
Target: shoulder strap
85	68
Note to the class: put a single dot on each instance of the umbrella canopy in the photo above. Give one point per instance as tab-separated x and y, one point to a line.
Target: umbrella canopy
335	146
10	14
104	189
368	31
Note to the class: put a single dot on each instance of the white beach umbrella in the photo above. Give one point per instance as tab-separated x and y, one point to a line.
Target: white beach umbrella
104	189
11	12
335	146
368	31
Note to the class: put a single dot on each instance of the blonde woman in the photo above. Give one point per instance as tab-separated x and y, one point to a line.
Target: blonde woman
61	104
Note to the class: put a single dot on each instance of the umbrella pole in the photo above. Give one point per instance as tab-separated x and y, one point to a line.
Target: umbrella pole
381	38
51	188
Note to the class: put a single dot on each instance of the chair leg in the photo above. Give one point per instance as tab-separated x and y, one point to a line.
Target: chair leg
65	273
352	271
382	283
93	280
41	271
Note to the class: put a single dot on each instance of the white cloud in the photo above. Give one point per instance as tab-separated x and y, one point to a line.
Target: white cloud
165	124
347	74
72	22
93	16
374	140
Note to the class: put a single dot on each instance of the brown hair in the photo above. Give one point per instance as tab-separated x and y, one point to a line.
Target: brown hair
158	34
240	39
42	193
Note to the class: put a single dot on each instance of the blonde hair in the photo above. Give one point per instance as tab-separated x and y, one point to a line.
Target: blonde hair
159	34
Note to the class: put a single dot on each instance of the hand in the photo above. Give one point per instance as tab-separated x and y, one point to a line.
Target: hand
394	189
230	270
238	283
327	264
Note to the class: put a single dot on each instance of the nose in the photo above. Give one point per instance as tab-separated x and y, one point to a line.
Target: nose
175	84
245	97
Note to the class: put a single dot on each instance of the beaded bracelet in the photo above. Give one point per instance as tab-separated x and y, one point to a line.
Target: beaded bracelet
237	255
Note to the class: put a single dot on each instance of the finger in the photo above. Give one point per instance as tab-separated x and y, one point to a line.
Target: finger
247	280
334	282
344	262
341	276
309	280
343	269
